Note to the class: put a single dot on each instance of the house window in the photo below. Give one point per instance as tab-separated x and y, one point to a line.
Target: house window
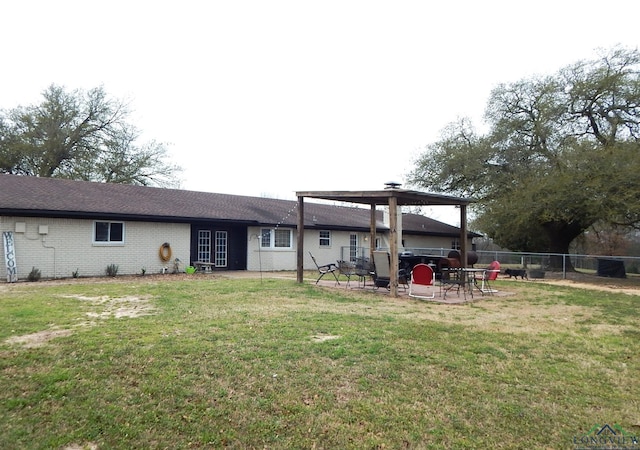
265	237
282	238
455	244
275	238
108	232
325	238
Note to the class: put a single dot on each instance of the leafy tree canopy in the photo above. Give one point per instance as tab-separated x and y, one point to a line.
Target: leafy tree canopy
561	153
82	136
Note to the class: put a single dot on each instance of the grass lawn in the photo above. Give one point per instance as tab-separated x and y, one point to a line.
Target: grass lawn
211	362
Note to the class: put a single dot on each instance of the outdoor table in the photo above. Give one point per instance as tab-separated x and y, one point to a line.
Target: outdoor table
464	278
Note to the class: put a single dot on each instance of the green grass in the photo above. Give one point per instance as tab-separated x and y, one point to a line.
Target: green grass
273	364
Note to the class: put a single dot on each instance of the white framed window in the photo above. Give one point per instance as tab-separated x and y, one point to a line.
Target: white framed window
108	232
276	238
455	244
325	238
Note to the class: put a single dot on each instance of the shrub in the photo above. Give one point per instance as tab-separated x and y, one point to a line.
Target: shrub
112	270
34	275
75	273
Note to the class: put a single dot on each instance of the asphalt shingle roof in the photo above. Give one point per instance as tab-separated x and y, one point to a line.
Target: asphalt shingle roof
52	197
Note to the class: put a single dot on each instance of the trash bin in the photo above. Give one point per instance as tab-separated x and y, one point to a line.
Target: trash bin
613	268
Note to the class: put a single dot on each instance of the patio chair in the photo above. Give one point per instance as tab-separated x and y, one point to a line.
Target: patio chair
325	269
482	279
348	269
364	269
382	271
422	275
452	277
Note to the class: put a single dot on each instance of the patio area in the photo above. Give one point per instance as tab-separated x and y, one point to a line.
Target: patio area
452	297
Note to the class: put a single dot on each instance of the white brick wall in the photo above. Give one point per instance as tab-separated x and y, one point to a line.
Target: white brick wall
279	259
68	246
285	259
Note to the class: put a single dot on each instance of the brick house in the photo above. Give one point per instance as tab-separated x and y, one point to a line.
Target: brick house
62	226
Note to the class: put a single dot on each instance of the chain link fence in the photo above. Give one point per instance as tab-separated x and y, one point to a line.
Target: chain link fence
536	263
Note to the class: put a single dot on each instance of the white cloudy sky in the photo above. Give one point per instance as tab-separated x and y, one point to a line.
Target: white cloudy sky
270	97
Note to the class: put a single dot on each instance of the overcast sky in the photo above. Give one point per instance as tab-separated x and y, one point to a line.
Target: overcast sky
271	97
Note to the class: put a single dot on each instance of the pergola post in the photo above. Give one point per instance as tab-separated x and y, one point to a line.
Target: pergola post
300	241
393	245
463	235
372	231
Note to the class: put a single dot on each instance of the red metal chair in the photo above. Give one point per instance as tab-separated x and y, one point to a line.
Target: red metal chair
490	274
422	275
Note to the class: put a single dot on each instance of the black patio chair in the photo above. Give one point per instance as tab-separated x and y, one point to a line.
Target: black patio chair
382	271
325	269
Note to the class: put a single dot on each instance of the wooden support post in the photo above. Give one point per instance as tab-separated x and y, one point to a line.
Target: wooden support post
372	231
300	245
393	245
463	235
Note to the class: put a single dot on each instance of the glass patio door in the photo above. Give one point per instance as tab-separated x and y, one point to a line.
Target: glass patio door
221	249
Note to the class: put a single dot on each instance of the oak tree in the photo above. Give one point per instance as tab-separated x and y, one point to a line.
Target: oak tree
81	135
561	153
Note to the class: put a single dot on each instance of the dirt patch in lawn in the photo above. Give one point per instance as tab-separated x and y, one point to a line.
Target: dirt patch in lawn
118	307
323	337
38	339
605	286
629	285
106	307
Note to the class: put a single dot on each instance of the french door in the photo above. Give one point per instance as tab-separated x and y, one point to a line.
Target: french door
221	249
218	248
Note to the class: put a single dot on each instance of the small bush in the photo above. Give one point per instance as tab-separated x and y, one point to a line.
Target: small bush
143	271
75	273
112	270
34	275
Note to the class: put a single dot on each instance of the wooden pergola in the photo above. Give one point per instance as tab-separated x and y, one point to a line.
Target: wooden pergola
393	197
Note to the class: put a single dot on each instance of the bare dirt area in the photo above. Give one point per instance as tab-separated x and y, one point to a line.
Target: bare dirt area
118	307
37	339
104	307
629	285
